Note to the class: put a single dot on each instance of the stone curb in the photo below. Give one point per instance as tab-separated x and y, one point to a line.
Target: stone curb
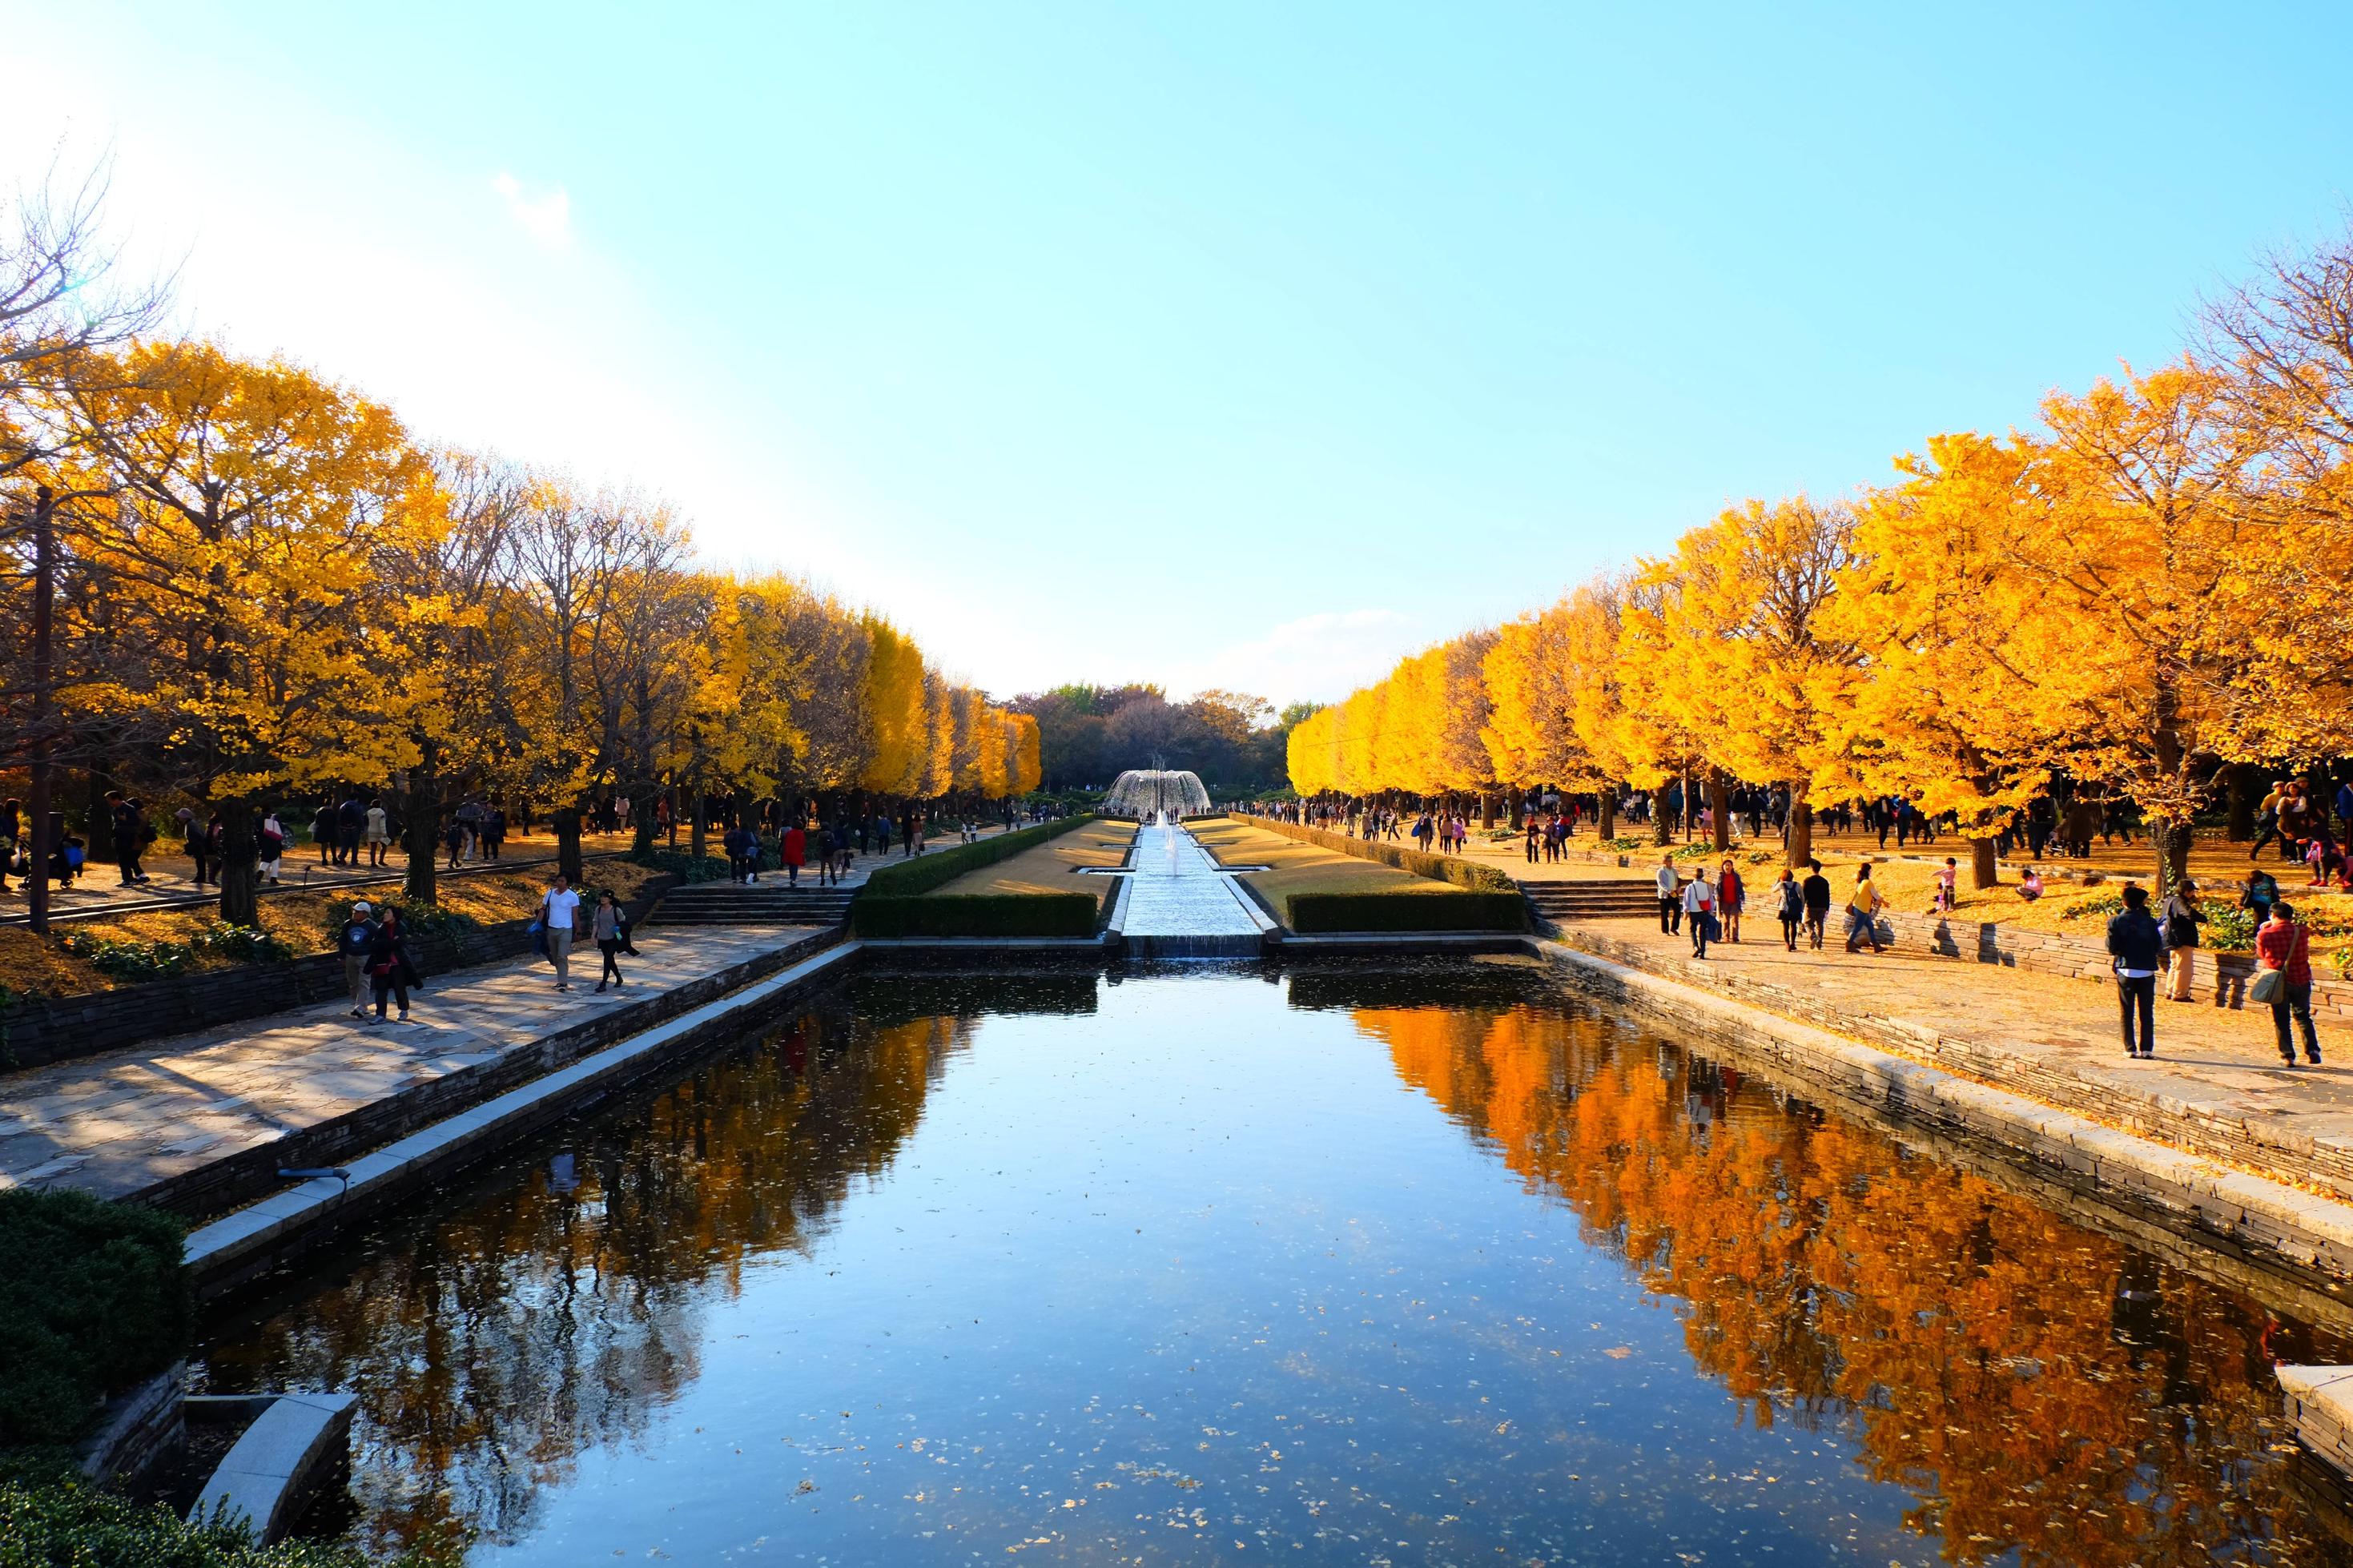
2250	1210
235	1248
274	1467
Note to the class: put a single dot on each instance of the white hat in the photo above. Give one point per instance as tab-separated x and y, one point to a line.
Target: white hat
361	907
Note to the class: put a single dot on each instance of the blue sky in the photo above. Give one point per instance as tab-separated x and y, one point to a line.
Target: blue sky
1235	345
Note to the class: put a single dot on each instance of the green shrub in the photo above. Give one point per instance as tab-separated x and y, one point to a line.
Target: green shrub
975	914
1312	913
684	866
67	1524
94	1299
902	879
420	919
1623	845
128	958
1464	874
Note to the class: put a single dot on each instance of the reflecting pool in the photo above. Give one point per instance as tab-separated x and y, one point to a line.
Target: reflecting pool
1404	1265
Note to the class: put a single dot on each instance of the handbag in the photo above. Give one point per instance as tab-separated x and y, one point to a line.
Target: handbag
2269	986
537	931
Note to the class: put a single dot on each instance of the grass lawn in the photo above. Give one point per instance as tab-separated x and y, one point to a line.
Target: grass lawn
1303	867
1052	867
30	964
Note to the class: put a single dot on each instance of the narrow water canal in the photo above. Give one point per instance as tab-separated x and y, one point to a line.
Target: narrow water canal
1377	1265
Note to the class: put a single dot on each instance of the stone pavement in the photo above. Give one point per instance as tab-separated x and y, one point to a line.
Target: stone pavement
2217	1080
116	1124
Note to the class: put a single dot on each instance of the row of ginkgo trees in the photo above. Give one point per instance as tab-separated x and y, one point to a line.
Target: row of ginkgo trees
2153	588
234	581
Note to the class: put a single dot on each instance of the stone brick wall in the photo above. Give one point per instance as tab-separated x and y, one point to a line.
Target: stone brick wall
39	1031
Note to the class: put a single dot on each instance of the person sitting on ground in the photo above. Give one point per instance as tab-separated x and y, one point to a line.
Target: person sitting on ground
2029	886
2259	895
1862	907
2135	950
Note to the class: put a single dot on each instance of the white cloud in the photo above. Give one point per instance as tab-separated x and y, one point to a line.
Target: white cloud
546	216
1322	657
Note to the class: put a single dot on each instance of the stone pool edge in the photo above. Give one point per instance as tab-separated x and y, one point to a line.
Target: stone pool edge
228	1251
2251	1211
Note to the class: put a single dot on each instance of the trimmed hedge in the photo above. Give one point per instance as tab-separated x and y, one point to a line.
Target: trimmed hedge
1318	913
1463	873
975	914
93	1299
904	879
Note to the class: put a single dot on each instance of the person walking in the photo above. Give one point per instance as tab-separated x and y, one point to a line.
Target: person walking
1731	898
353	941
610	927
272	840
559	908
1816	890
379	832
351	822
793	851
2180	917
825	855
194	841
2284	948
1670	907
1862	907
131	834
1699	911
390	966
1789	903
2135	946
323	832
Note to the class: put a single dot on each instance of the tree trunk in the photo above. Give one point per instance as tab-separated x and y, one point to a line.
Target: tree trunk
567	842
1516	803
420	834
698	835
1719	808
641	823
1662	827
1606	815
2171	841
1985	870
40	838
1801	831
2247	788
1487	805
240	882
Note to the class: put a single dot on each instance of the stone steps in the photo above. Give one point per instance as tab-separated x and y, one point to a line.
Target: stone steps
1616	899
760	904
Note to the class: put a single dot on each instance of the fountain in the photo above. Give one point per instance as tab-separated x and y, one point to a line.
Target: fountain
1142	793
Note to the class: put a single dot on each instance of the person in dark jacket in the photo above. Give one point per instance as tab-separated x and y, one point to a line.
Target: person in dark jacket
2180	919
390	964
1816	890
2135	948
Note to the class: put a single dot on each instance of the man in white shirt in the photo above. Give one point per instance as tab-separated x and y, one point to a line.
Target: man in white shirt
1671	905
1699	903
559	910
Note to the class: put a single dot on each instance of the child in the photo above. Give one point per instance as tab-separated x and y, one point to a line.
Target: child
1948	887
2029	886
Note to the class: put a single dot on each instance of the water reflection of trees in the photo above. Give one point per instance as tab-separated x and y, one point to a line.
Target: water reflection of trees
2038	1387
558	1306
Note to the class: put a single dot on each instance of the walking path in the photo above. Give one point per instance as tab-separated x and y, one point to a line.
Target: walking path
116	1124
1176	889
2216	1081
